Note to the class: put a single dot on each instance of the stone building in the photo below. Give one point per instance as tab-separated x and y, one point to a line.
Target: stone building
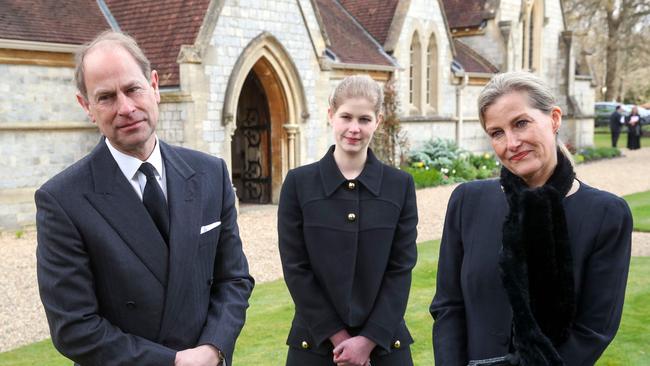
249	80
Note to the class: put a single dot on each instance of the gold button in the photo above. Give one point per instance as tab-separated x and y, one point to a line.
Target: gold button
351	185
352	217
397	344
305	345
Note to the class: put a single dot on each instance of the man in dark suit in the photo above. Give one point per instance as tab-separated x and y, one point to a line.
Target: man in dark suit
615	122
139	259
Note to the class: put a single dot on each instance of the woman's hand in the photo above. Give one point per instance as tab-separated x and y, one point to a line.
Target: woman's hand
354	351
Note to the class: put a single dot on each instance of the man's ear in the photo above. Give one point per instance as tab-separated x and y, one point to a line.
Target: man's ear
83	102
155	85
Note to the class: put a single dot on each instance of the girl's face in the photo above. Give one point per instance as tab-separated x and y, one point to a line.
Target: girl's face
354	123
523	137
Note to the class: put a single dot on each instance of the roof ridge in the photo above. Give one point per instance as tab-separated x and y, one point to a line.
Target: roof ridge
108	15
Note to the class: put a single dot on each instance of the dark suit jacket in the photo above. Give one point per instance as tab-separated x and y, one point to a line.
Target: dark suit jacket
113	292
615	121
472	314
347	272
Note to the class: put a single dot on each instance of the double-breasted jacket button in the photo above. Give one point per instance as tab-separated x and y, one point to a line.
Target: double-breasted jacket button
351	185
304	345
397	344
130	304
352	217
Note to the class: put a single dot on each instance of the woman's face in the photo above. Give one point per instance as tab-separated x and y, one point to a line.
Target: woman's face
523	137
354	123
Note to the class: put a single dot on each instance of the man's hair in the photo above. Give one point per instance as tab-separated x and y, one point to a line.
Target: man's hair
618	106
119	39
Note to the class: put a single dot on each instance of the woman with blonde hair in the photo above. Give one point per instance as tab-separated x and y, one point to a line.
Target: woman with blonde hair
533	266
347	230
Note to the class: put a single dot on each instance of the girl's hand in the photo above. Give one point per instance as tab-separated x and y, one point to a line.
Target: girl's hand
354	351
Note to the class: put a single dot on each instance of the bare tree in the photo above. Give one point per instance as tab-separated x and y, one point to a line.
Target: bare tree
614	31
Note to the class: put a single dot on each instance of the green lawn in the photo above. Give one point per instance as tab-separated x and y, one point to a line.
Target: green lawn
602	138
640	205
263	337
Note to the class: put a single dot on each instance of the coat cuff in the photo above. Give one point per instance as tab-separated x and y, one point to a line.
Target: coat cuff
324	329
226	348
378	334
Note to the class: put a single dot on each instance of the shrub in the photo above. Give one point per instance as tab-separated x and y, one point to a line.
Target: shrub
596	153
425	177
390	143
436	154
450	163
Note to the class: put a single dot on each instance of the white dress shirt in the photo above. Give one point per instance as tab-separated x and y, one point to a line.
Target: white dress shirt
129	166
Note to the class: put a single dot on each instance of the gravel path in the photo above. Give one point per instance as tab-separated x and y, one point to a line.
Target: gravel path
23	321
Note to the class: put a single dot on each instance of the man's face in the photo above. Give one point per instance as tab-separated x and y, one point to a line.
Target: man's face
121	101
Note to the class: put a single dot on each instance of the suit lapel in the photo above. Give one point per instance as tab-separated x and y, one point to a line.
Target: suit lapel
183	192
121	207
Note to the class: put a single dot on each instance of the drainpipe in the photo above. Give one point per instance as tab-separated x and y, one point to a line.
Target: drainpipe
462	77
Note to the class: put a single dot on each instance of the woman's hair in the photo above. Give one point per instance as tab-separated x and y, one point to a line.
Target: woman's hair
635	110
357	86
539	95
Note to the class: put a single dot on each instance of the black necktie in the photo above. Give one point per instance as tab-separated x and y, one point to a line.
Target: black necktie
154	200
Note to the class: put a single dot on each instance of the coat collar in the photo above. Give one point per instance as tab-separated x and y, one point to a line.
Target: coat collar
332	178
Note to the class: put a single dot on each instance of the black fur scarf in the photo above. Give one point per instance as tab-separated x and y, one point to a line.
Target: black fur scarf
536	265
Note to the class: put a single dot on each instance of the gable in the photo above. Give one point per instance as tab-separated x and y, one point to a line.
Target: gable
161	29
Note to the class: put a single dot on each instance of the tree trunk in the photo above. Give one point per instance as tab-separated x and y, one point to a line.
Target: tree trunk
613	24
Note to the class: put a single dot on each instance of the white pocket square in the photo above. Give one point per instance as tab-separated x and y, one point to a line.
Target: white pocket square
206	228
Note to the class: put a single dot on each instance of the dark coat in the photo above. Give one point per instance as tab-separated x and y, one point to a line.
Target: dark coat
634	133
347	250
615	121
113	292
473	317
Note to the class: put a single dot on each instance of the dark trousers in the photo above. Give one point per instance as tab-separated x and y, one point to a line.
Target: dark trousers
615	135
299	357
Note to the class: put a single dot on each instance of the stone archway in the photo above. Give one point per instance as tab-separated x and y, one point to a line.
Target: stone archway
268	63
251	165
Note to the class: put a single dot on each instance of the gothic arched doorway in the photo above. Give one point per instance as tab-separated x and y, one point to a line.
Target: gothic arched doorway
251	145
265	81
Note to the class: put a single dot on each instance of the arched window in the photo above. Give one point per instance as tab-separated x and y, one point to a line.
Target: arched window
415	75
432	74
532	36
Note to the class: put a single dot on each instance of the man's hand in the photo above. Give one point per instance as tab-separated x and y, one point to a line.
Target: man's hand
204	355
354	351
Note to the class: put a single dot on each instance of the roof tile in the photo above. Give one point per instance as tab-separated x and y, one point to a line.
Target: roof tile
375	16
161	27
349	41
471	60
69	22
467	13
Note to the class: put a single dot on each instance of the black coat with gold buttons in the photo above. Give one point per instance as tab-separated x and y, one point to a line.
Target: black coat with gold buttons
347	250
